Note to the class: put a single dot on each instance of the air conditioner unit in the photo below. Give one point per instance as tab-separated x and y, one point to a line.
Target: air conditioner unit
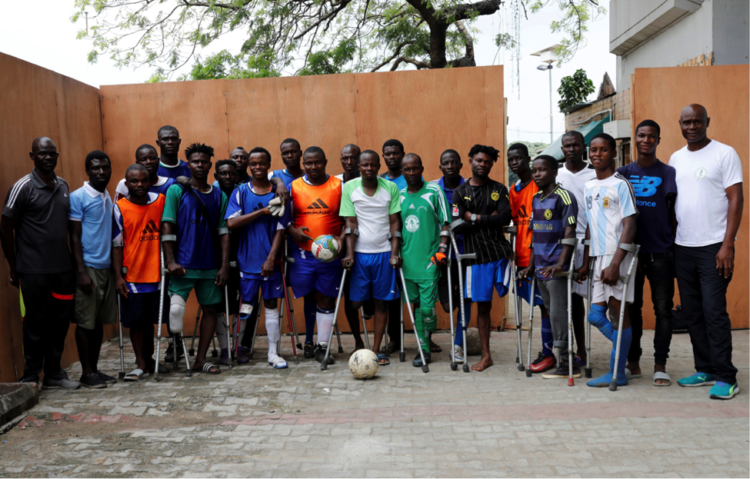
618	129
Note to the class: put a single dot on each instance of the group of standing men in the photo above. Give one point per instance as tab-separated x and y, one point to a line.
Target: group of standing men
169	219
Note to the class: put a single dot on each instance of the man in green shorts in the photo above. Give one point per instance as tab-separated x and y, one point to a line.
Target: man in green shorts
425	216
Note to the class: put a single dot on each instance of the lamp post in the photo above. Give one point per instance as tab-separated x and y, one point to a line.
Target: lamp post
548	57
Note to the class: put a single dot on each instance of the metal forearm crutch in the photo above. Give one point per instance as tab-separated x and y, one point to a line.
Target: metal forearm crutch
121	376
532	295
587	369
454	364
425	366
162	291
232	264
324	363
364	327
195	332
513	232
570	275
401	354
284	270
632	249
460	257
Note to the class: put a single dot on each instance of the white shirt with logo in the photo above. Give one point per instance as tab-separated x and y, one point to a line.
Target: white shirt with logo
575	183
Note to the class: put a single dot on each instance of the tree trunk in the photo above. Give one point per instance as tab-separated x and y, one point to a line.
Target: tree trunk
437	45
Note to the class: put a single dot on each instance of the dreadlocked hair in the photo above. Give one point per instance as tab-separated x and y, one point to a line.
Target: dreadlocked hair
487	150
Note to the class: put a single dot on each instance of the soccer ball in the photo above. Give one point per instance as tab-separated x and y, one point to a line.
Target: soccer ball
325	248
363	364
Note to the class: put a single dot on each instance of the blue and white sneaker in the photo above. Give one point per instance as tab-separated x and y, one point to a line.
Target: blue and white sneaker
459	353
277	362
724	391
697	380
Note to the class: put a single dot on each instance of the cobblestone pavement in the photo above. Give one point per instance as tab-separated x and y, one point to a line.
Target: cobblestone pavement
256	421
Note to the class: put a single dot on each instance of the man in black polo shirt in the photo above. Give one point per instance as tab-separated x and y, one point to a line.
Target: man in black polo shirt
484	206
34	233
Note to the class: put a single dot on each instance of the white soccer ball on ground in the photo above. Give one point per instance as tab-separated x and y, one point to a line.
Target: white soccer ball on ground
325	248
363	364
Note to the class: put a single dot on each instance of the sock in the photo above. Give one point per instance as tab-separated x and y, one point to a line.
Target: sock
604	381
420	330
547	339
324	319
598	317
176	314
310	317
460	332
274	331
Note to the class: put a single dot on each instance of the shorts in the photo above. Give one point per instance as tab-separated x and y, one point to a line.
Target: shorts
482	278
99	307
307	274
602	292
142	309
373	277
271	286
204	283
233	290
524	289
423	292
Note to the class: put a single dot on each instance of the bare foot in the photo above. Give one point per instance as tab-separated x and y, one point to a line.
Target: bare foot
483	364
634	367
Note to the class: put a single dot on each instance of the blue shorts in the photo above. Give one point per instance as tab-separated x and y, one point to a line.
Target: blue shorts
481	278
271	286
373	277
307	274
524	288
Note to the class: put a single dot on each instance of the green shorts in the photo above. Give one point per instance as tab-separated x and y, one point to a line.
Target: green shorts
423	291
99	307
204	283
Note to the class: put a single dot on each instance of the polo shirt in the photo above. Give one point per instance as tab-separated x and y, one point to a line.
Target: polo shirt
40	212
93	209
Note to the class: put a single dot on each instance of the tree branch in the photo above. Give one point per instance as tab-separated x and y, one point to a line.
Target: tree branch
330	15
395	54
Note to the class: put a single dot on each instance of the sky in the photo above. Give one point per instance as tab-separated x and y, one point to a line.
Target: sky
47	37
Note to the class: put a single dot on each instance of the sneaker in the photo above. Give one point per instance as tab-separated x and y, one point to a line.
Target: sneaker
243	355
224	357
417	361
320	354
106	378
697	380
724	391
459	354
64	383
542	363
309	351
563	372
30	379
93	381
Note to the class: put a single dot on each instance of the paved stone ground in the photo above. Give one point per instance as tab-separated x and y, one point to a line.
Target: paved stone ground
255	421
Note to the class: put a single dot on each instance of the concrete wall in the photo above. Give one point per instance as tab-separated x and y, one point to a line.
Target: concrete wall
731	33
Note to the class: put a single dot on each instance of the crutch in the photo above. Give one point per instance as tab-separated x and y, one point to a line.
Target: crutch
401	354
162	290
324	363
338	337
460	257
513	231
633	249
290	311
195	332
570	275
232	264
532	295
122	351
454	364
587	369
364	326
255	330
425	366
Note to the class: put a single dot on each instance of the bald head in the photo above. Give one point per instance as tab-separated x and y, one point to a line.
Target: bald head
412	170
42	141
695	109
694	123
44	155
413	158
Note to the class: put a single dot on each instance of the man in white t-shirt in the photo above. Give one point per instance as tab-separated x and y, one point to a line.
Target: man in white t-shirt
708	211
372	206
572	176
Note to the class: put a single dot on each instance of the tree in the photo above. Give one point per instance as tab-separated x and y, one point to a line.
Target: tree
574	89
307	36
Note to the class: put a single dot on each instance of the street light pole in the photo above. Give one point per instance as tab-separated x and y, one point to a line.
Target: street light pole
551	139
548	57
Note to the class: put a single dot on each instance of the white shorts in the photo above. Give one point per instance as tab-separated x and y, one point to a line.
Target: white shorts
602	292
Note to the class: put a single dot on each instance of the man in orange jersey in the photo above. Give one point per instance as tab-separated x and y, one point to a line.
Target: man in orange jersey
136	264
316	199
521	196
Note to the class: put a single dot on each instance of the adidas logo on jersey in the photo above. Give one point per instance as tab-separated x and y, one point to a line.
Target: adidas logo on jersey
411	207
317	205
150	232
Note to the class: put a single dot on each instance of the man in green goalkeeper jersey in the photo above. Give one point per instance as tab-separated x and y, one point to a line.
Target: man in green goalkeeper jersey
424	216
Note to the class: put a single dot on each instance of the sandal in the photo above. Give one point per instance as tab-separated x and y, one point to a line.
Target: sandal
278	363
208	368
662	376
383	360
136	375
630	375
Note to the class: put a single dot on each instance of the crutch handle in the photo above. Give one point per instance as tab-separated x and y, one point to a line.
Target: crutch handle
630	247
564	274
233	264
347	264
289	259
512	230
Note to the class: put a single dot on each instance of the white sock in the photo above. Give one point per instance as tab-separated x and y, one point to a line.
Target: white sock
274	331
324	319
176	313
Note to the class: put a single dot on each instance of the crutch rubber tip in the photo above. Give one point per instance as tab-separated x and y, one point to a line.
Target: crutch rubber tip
402	357
341	350
571	382
425	369
517	360
528	373
296	360
521	368
188	374
121	376
454	366
214	354
613	386
324	365
191	352
588	371
466	368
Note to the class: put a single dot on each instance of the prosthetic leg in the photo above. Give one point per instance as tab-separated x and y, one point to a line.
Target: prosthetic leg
324	363
121	376
460	258
633	249
513	231
162	289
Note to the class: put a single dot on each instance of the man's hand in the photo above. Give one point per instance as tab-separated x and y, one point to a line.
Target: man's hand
85	283
176	270
397	261
548	271
526	273
183	180
222	276
439	259
299	235
611	274
283	193
121	287
347	261
267	269
725	260
583	272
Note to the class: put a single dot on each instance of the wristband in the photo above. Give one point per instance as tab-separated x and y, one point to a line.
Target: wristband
165	238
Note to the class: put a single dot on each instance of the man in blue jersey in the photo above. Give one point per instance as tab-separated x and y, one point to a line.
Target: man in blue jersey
260	240
169	143
450	165
240	157
196	249
146	156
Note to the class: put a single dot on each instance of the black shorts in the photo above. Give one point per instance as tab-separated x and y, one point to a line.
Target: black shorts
233	288
443	285
141	309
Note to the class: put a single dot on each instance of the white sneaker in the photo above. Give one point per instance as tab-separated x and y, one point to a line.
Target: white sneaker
277	362
459	354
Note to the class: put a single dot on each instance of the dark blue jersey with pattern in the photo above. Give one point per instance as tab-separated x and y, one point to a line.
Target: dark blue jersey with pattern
549	217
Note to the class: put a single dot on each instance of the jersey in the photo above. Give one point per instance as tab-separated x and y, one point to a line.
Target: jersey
449	196
520	210
608	202
197	236
255	238
549	218
485	238
160	187
285	177
399	180
575	184
317	208
372	213
136	229
423	214
180	169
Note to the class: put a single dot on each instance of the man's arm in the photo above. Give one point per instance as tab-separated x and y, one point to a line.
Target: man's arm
567	250
725	257
120	285
611	274
395	227
352	224
671	200
583	271
278	239
7	225
75	230
463	213
223	274
281	190
235	222
168	228
500	217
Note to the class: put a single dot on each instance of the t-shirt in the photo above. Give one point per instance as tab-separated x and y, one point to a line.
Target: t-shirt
423	214
255	238
449	196
608	202
651	186
550	216
93	209
400	180
485	238
285	177
702	205
136	229
180	169
198	244
160	187
41	232
520	210
317	208
372	212
575	184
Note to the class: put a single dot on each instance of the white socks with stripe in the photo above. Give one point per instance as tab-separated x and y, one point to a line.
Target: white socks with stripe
274	331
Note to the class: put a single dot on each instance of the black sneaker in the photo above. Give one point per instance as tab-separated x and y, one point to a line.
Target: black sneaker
562	371
30	379
309	351
63	383
320	354
93	381
417	362
106	378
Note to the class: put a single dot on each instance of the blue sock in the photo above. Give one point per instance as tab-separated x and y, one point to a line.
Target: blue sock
460	332
603	381
598	317
311	309
547	339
